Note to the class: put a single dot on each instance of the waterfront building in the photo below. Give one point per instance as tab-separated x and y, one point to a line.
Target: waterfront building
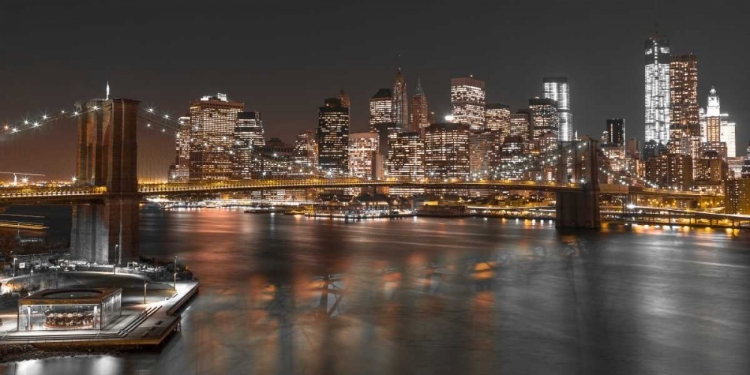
615	132
556	88
381	107
447	150
544	118
468	102
497	116
657	90
212	123
363	148
333	138
419	113
69	309
400	102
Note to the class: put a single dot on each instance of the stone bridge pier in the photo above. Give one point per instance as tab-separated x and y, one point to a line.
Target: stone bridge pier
578	162
107	231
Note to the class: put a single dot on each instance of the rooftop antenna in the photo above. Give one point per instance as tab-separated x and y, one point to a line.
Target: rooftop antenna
107	90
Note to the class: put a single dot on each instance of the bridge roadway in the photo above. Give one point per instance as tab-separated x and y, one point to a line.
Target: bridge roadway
62	194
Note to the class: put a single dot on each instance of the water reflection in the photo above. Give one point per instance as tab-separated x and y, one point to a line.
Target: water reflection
291	295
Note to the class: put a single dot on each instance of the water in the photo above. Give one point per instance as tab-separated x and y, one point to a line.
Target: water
442	296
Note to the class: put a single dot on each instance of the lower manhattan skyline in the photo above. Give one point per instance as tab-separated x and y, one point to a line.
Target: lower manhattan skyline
602	59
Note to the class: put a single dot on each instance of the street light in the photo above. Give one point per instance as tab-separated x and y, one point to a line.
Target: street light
175	272
114	267
144	291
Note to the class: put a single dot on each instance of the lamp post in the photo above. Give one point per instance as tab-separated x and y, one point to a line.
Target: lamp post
175	272
144	291
117	258
14	266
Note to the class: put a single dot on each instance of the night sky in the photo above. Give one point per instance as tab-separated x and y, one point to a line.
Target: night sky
284	57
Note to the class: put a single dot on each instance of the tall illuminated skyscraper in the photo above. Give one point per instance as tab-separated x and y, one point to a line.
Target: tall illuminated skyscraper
419	114
556	88
657	90
400	102
248	142
468	101
615	132
333	138
712	131
683	78
212	122
446	152
381	107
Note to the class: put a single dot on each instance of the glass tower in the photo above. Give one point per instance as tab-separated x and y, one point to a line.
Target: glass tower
556	88
333	138
657	90
468	101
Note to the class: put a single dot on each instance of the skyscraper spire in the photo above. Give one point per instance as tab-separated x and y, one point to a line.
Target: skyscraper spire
418	89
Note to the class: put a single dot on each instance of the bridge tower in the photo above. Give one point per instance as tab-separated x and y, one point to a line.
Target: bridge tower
578	163
107	232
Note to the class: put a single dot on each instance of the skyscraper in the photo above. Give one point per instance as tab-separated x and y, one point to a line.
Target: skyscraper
248	141
657	90
381	107
447	150
712	132
400	102
180	170
556	88
333	138
212	122
615	132
468	101
406	157
683	93
497	116
305	154
419	112
544	117
362	150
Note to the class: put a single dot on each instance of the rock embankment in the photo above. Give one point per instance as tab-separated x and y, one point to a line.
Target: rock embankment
24	352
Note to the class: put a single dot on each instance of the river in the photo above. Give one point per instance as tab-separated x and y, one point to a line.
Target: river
441	296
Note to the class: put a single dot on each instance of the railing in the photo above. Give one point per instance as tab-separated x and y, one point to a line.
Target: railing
236	185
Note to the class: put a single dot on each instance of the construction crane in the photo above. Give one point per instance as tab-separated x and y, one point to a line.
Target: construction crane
24	176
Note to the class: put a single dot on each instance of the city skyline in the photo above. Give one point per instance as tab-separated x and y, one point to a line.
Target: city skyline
271	85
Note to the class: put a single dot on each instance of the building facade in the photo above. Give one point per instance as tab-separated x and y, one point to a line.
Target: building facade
400	102
556	88
497	116
363	148
468	102
333	138
419	113
544	118
657	90
406	157
381	107
447	150
212	123
615	132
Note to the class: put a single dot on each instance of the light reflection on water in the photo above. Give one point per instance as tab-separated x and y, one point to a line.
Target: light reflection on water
286	294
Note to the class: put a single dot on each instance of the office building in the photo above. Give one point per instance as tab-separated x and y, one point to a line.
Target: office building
468	102
381	107
657	90
400	102
248	141
363	148
497	116
333	138
544	117
615	132
305	154
406	157
420	113
520	125
737	196
447	150
212	122
180	170
556	88
482	152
